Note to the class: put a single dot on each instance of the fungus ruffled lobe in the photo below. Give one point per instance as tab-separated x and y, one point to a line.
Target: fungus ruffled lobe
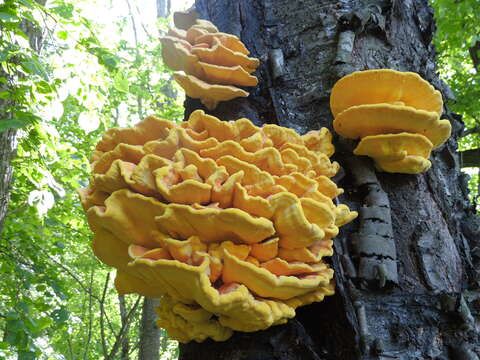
227	222
395	114
209	64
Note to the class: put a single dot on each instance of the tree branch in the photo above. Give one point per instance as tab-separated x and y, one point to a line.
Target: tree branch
123	316
123	331
90	319
134	27
102	313
473	130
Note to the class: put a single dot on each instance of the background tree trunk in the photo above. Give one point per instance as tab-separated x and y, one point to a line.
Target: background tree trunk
125	343
470	158
149	348
7	152
163	8
424	306
8	143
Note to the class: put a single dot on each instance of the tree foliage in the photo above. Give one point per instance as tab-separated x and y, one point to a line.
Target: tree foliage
458	44
57	300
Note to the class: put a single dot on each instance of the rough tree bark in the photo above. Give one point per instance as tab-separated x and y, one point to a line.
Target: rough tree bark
149	348
425	303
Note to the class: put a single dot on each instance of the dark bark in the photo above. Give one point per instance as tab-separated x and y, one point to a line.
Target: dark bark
475	54
423	307
470	158
149	348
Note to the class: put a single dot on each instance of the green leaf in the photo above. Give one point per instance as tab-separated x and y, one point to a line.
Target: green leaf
43	87
44	322
31	323
60	315
27	3
64	10
6	17
33	66
12	338
59	244
26	355
15	325
13	123
13	315
5	95
120	82
40	287
62	34
5	54
23	307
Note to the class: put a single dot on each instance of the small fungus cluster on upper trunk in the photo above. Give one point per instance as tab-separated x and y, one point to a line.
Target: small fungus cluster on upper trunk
209	64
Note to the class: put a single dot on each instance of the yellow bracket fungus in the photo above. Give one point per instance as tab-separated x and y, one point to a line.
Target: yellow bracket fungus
385	86
228	223
395	114
209	64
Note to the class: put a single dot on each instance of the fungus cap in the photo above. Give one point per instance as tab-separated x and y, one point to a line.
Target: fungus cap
213	62
391	147
375	119
218	54
209	94
408	165
385	86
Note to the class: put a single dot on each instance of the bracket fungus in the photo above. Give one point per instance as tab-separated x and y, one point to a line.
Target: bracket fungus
228	223
395	114
209	64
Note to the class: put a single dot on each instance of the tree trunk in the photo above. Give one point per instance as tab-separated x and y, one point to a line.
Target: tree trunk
8	143
125	346
7	152
470	158
424	304
149	348
163	8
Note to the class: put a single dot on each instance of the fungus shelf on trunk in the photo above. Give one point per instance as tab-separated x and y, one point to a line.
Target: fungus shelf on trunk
396	116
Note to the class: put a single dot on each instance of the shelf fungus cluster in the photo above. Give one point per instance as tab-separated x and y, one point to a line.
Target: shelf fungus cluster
209	64
395	114
227	222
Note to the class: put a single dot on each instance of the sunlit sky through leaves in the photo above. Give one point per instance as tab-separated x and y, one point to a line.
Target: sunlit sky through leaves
79	69
107	12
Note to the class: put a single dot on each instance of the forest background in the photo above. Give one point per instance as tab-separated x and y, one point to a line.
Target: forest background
68	71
